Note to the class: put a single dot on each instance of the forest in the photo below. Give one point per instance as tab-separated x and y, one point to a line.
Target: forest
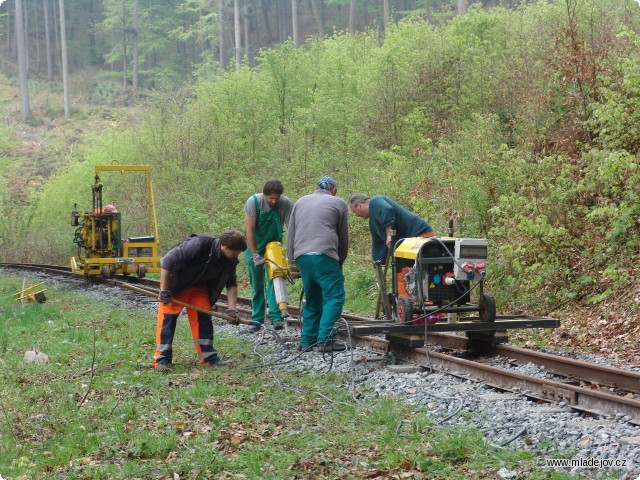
160	44
516	121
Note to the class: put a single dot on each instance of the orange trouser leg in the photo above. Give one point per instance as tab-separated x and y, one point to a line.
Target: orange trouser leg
165	330
200	323
201	326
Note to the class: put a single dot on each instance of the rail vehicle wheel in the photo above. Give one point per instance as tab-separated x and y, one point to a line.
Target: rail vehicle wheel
105	272
487	310
142	270
405	310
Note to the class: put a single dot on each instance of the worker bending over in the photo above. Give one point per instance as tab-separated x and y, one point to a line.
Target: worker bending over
194	272
386	217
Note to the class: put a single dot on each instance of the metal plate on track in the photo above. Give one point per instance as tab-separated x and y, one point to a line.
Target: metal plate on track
506	322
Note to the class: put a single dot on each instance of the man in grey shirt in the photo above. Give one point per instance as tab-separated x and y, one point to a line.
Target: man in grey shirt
317	243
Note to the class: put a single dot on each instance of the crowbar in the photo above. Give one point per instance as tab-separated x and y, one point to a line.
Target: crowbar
381	279
153	294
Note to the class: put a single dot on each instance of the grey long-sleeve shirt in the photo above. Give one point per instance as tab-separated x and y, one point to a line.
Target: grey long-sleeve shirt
319	224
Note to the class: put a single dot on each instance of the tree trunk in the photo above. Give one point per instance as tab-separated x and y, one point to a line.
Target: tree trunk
47	34
22	62
65	66
254	26
462	7
124	46
92	34
37	37
135	46
8	33
245	30
265	16
221	46
352	16
56	35
14	47
385	14
236	28
316	7
25	17
281	21
294	23
427	11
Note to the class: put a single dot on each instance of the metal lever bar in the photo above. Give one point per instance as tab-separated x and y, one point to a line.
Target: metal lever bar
222	316
383	297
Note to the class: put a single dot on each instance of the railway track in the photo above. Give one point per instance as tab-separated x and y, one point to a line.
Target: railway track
582	386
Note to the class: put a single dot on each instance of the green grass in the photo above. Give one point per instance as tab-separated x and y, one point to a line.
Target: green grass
57	420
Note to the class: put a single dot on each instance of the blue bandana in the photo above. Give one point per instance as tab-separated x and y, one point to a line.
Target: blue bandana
327	181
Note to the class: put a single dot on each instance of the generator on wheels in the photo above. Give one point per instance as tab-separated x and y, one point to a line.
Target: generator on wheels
101	249
434	278
438	286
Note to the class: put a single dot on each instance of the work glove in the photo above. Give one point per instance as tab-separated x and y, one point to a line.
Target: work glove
233	313
165	296
258	260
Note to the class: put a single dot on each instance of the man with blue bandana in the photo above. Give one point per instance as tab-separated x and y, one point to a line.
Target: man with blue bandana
318	241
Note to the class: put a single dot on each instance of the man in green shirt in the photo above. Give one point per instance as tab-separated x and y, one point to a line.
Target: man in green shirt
265	215
385	216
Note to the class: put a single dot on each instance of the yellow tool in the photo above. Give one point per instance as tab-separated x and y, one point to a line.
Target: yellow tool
279	273
26	294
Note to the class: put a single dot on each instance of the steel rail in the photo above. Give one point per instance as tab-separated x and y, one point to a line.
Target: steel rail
585	399
572	368
576	397
558	365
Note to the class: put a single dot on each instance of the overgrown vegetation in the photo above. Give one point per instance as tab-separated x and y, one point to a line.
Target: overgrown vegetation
98	410
519	125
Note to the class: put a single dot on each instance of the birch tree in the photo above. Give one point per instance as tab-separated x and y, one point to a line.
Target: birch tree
237	32
135	46
22	62
385	14
65	67
47	41
294	23
221	45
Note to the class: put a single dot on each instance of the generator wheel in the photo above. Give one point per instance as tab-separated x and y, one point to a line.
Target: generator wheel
487	310
405	310
105	272
142	270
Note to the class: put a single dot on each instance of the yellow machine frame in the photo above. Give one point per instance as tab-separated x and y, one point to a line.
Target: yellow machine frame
135	255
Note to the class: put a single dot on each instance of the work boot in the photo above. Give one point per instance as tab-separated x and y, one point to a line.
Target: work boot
330	347
279	325
305	348
219	362
256	327
163	366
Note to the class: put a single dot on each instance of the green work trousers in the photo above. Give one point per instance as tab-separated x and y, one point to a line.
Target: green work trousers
257	278
323	284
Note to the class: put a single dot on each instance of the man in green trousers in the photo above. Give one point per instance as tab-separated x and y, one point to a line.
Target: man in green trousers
318	242
265	216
